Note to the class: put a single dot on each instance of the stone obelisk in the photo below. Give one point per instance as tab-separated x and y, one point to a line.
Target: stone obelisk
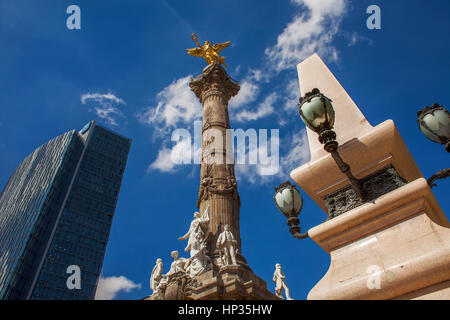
396	245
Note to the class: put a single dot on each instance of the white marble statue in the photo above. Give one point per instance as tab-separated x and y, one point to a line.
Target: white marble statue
278	278
155	278
199	226
226	243
198	262
178	264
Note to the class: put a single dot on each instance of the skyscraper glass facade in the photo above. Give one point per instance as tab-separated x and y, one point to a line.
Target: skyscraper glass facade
56	211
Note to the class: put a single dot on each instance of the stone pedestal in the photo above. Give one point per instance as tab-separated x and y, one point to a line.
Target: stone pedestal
401	240
230	283
396	245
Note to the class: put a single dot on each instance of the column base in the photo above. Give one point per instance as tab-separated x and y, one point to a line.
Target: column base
232	282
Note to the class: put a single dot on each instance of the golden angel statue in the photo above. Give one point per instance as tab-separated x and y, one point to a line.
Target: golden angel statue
208	52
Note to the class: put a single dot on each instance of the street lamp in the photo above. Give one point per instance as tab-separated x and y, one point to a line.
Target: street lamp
434	123
289	201
317	112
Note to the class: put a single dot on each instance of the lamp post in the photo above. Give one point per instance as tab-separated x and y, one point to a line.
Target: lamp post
317	112
434	123
289	201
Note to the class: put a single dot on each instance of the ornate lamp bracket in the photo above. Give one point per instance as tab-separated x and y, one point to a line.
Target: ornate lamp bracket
445	173
434	134
327	137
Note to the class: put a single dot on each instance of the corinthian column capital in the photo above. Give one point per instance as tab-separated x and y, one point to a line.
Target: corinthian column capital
214	81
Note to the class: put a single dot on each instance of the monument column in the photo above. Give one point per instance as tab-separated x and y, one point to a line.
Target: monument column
216	268
230	277
218	187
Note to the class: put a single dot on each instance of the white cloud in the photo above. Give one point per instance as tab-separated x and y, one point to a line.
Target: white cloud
355	38
237	70
264	109
108	114
256	75
291	95
100	97
169	158
248	92
252	172
309	32
298	153
109	287
163	161
176	104
296	150
106	107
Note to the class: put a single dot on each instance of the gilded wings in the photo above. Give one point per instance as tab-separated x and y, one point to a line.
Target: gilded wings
207	51
220	46
195	52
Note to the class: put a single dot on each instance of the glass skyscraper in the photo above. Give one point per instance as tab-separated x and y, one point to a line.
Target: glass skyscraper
56	211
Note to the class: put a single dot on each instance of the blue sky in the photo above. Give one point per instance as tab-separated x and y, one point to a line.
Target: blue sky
127	68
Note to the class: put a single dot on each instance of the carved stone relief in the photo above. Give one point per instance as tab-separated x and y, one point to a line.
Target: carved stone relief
375	185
